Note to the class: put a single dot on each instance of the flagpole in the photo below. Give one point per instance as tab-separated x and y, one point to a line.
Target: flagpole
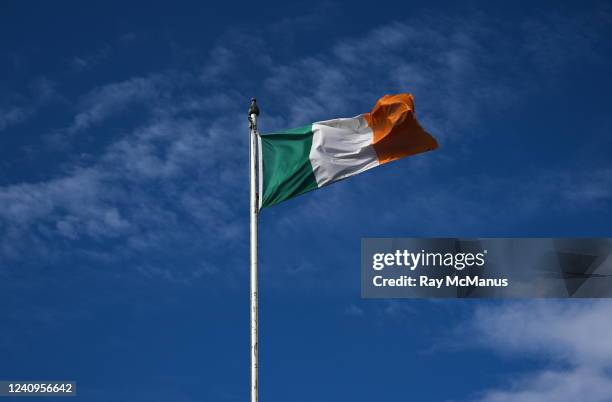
254	207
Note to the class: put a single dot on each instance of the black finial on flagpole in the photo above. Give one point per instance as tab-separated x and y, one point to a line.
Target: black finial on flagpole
254	109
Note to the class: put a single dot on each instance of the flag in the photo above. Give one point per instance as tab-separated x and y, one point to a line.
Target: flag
294	161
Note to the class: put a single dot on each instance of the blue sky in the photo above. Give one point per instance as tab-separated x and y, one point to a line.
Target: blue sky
124	197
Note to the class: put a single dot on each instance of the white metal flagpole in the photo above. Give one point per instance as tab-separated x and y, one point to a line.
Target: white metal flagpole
254	209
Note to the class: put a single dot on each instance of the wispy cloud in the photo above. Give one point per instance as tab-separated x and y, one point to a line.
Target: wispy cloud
108	100
163	181
572	337
19	107
84	62
12	115
454	65
90	59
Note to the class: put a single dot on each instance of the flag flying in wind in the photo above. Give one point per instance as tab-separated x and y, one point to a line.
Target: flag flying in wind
294	161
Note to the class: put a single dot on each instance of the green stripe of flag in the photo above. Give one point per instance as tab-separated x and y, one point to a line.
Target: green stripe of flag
287	171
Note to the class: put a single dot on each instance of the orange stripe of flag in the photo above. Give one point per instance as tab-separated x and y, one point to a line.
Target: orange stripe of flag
396	131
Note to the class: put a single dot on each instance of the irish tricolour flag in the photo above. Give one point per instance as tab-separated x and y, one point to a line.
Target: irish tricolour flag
294	161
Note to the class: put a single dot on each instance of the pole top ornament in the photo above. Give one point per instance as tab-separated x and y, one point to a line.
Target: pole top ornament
254	109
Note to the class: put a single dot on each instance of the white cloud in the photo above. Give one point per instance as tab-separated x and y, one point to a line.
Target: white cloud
12	115
581	384
84	62
447	68
108	100
40	92
573	337
166	180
